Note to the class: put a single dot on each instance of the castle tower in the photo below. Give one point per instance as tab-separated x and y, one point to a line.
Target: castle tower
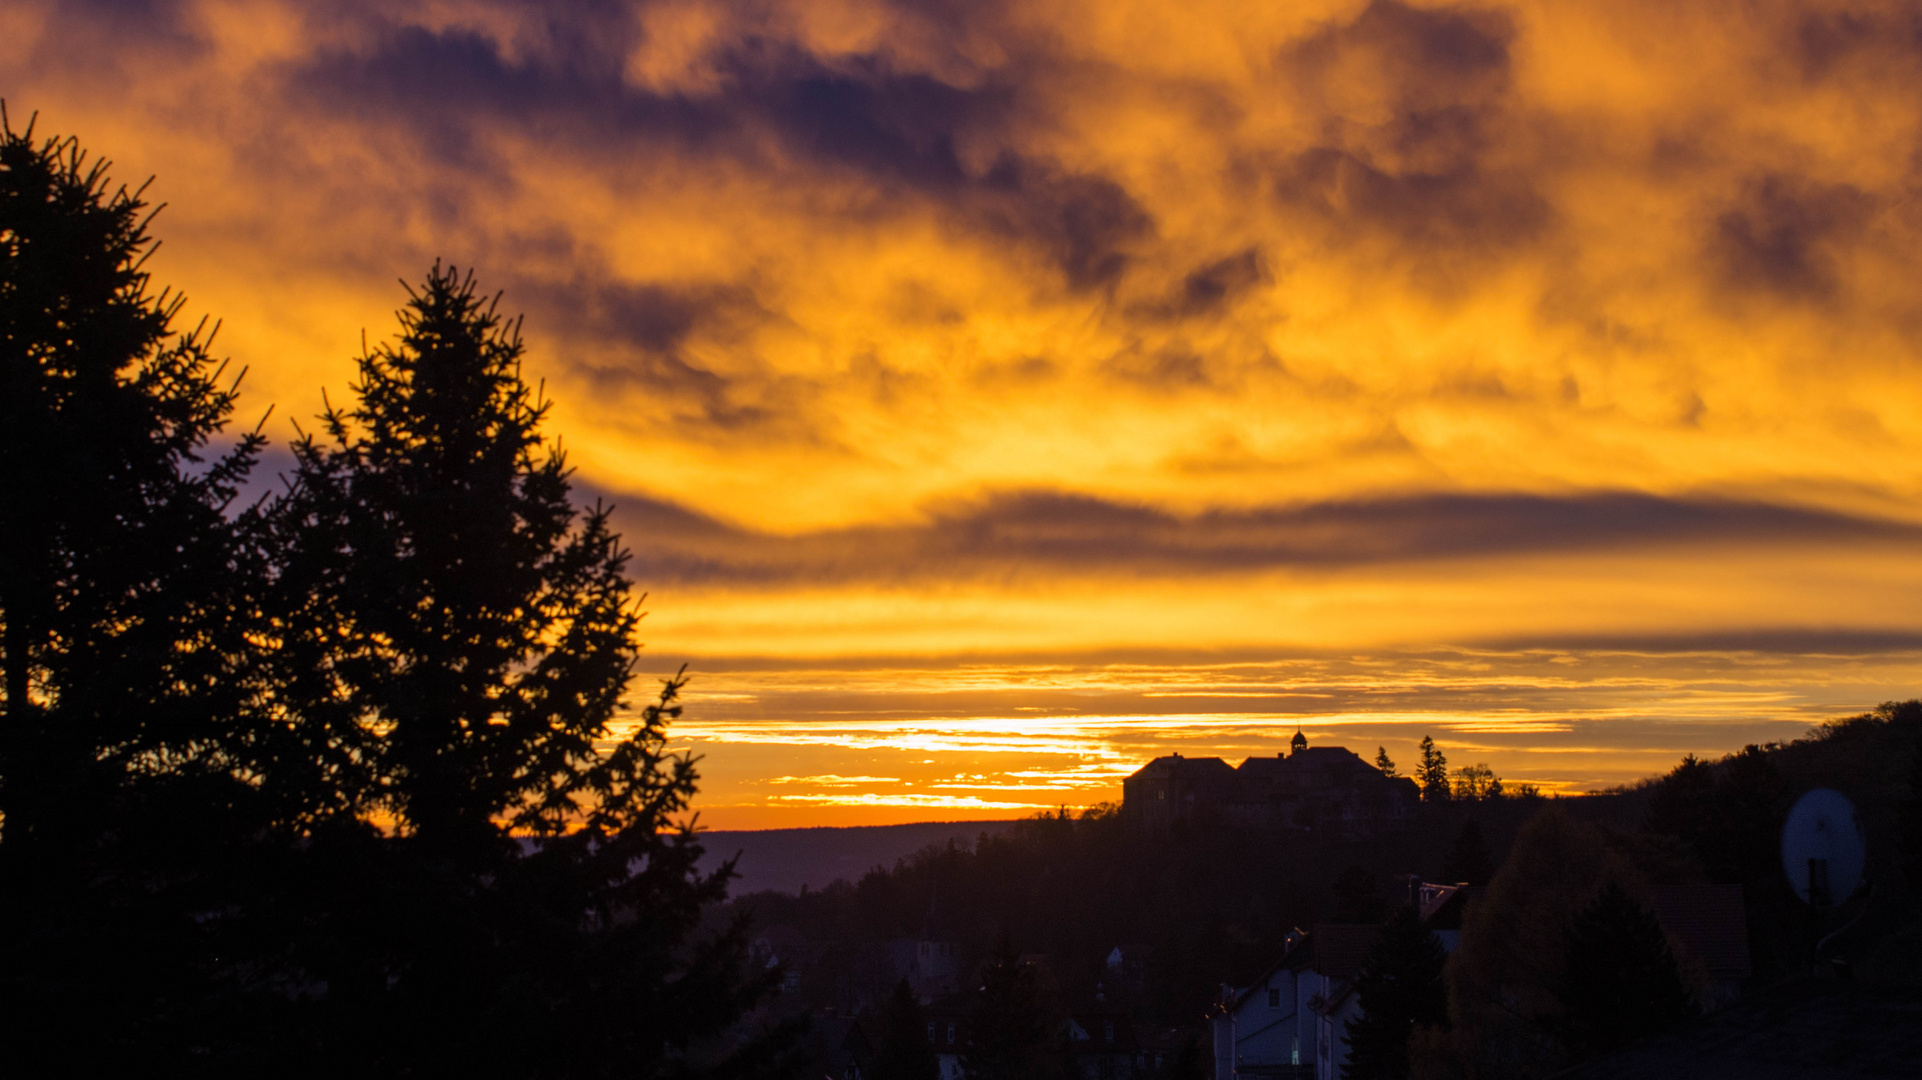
1299	742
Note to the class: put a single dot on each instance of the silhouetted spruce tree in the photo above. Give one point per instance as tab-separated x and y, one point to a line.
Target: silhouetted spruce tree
1358	897
1191	1062
1383	763
1400	986
124	622
458	643
1683	803
1910	821
1016	1030
904	1052
1433	773
1468	861
1751	804
1620	982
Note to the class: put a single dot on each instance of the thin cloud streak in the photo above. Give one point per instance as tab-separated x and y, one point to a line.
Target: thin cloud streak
1052	535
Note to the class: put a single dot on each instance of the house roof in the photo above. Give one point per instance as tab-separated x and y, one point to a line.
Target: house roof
1443	906
1292	956
1434	898
1709	922
1323	758
1186	767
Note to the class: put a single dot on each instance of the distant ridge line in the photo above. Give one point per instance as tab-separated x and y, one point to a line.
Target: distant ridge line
816	856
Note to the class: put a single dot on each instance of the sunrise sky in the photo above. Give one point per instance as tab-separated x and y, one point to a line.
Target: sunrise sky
999	394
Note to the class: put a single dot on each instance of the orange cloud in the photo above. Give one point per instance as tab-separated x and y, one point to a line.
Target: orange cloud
924	330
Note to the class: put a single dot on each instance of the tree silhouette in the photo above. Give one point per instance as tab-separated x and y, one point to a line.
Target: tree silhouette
125	616
1620	983
1433	773
1358	896
458	641
1400	987
1752	802
1468	860
1383	763
904	1052
341	784
1477	781
1910	816
1016	1033
1683	802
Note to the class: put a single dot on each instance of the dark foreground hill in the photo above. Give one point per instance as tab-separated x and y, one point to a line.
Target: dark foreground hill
788	860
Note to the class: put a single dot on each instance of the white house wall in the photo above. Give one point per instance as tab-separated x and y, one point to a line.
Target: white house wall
1280	1034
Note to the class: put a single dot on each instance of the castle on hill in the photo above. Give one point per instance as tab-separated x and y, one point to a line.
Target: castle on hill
1328	790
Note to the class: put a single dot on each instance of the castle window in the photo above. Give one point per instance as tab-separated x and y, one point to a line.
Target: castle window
950	1034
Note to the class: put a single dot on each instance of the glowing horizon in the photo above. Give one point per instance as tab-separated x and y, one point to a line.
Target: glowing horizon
985	740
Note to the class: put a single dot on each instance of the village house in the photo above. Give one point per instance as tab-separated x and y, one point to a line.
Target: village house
931	967
950	1031
1103	1045
1292	1022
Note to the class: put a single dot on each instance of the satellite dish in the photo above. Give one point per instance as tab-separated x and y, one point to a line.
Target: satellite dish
1822	849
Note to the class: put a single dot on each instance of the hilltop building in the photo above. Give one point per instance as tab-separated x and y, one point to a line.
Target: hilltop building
1325	789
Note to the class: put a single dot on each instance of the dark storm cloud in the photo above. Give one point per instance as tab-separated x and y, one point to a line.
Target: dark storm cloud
1085	223
1429	212
1422	174
855	115
1050	534
644	317
1211	288
899	127
1827	43
1784	237
1218	283
110	45
449	85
